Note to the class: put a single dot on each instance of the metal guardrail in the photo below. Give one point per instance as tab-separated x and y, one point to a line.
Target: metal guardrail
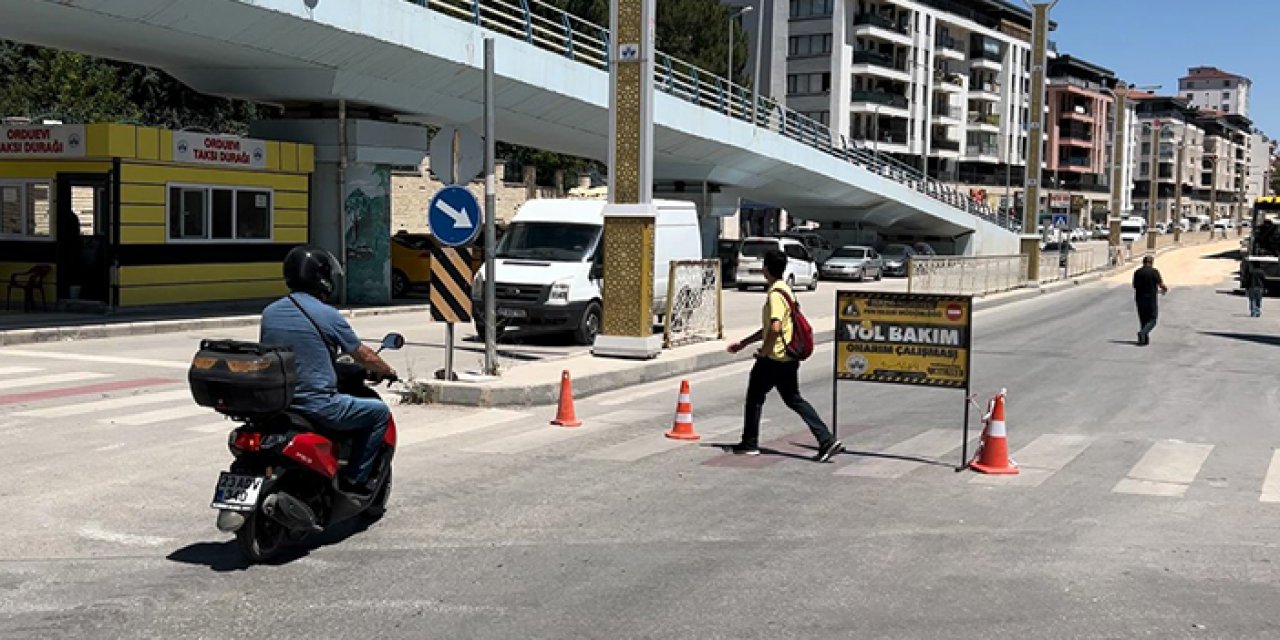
966	275
552	29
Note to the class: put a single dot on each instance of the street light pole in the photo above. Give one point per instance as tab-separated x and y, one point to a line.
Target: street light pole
733	17
1153	194
1176	220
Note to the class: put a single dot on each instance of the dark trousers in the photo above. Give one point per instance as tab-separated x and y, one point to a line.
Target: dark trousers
768	374
1148	311
1255	301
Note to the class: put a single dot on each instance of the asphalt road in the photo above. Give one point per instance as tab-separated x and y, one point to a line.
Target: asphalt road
1143	509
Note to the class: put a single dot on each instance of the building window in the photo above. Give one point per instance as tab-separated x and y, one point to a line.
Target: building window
199	213
1226	95
25	210
821	117
811	8
1226	107
799	84
812	45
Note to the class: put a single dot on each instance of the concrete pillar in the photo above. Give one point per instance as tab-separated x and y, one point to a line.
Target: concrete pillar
530	182
559	182
363	222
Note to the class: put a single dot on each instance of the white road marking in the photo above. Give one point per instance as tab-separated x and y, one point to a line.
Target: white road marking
224	426
107	405
1271	484
410	435
672	386
13	371
84	357
1166	469
159	415
95	531
1040	459
925	446
655	443
53	378
551	434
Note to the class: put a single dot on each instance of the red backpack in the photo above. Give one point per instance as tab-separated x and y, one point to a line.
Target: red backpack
800	346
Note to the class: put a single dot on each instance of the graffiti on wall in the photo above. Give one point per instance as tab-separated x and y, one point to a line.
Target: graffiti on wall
367	209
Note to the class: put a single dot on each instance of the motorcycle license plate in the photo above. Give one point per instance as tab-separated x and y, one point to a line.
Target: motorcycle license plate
236	492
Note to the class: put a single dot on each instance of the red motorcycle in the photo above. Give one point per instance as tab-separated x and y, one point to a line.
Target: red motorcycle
283	484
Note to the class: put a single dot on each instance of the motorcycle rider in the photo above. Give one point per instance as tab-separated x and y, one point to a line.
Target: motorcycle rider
316	332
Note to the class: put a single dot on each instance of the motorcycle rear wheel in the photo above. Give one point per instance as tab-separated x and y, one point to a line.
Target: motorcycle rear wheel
260	538
378	507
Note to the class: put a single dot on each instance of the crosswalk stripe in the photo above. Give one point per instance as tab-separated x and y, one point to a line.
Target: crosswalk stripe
99	406
159	415
655	443
225	426
1166	469
84	357
1043	457
13	371
55	378
628	396
550	435
906	456
1271	484
406	436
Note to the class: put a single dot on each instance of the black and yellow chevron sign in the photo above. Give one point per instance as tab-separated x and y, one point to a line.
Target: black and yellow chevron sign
450	284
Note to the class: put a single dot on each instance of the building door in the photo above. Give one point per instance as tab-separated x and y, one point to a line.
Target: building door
84	237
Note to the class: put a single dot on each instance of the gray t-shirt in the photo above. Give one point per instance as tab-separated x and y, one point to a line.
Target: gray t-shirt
284	325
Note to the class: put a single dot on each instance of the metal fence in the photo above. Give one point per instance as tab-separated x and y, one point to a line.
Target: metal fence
1057	266
966	275
695	310
552	29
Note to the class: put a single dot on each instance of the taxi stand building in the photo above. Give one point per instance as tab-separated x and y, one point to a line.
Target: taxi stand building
130	216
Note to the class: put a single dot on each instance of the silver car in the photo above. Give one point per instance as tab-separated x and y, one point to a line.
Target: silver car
853	262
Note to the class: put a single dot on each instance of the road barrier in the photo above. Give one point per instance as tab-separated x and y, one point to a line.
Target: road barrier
552	29
695	309
966	275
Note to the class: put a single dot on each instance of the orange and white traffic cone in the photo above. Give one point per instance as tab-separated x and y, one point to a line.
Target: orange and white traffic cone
682	428
565	416
993	457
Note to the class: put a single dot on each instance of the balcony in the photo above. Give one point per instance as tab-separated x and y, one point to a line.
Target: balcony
988	91
946	112
949	47
876	25
988	120
983	151
1075	136
876	63
944	144
951	82
984	58
1079	113
879	97
1075	162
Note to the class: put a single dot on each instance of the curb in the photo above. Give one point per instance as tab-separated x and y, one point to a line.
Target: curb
151	327
478	395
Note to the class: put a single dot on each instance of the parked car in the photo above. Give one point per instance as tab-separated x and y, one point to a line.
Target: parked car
727	252
410	262
1079	234
1101	232
817	245
801	267
895	259
1061	248
855	262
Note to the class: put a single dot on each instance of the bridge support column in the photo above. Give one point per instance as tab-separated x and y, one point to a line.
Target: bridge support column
355	222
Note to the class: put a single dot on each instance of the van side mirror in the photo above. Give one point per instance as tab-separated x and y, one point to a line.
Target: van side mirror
393	341
597	270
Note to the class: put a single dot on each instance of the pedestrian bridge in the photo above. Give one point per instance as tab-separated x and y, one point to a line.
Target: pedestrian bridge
422	60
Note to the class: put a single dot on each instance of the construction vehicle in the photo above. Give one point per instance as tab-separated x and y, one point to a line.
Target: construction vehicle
1263	248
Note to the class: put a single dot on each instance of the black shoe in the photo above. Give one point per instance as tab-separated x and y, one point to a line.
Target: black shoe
831	450
741	449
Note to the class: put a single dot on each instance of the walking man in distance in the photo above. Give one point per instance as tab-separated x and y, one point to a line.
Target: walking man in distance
1146	283
774	368
1255	284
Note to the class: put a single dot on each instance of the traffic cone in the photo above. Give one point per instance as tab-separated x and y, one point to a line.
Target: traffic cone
565	416
993	458
682	428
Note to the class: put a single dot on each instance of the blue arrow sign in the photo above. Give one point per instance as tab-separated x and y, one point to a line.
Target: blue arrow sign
454	216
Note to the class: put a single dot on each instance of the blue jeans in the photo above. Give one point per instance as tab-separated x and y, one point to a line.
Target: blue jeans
368	417
1255	302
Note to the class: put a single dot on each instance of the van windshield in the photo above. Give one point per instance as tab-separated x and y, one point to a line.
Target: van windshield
548	241
757	248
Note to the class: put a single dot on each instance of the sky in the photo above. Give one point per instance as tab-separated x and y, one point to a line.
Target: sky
1150	42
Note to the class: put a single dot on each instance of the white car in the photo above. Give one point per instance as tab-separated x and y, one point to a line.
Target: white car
802	269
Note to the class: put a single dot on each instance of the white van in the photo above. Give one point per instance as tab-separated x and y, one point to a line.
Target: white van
1132	229
549	264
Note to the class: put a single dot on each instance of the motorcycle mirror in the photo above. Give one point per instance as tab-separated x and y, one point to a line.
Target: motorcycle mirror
393	341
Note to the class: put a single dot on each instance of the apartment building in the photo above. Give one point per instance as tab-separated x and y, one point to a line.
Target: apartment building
1078	138
1210	88
1171	142
940	84
1259	172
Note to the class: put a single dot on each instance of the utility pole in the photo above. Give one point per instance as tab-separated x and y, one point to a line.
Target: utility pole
1153	196
1035	137
1177	186
1119	160
490	218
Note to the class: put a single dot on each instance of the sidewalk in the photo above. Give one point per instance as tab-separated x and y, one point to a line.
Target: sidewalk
539	383
18	328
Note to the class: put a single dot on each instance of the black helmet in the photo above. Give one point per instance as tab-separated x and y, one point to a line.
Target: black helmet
312	270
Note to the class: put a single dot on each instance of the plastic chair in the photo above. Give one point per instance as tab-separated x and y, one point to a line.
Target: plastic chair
30	282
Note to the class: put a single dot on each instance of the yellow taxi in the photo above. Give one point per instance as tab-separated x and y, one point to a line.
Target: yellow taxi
410	262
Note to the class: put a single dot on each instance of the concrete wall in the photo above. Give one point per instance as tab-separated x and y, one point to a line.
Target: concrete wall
412	192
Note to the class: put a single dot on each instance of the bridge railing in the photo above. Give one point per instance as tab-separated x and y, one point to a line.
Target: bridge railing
553	29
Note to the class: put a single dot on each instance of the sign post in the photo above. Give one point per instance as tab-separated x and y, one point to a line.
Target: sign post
454	219
904	338
490	217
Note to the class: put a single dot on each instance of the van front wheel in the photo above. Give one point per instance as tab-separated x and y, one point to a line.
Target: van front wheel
589	326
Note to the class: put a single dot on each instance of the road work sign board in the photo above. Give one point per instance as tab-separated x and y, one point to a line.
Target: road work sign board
903	338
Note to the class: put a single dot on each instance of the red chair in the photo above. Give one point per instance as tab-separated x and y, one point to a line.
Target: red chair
30	282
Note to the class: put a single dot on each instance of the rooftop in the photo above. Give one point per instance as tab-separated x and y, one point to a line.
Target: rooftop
1211	73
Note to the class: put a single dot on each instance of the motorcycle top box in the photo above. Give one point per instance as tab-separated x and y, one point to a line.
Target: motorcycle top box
242	379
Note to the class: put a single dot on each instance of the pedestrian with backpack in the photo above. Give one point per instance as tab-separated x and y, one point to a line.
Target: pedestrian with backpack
786	339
